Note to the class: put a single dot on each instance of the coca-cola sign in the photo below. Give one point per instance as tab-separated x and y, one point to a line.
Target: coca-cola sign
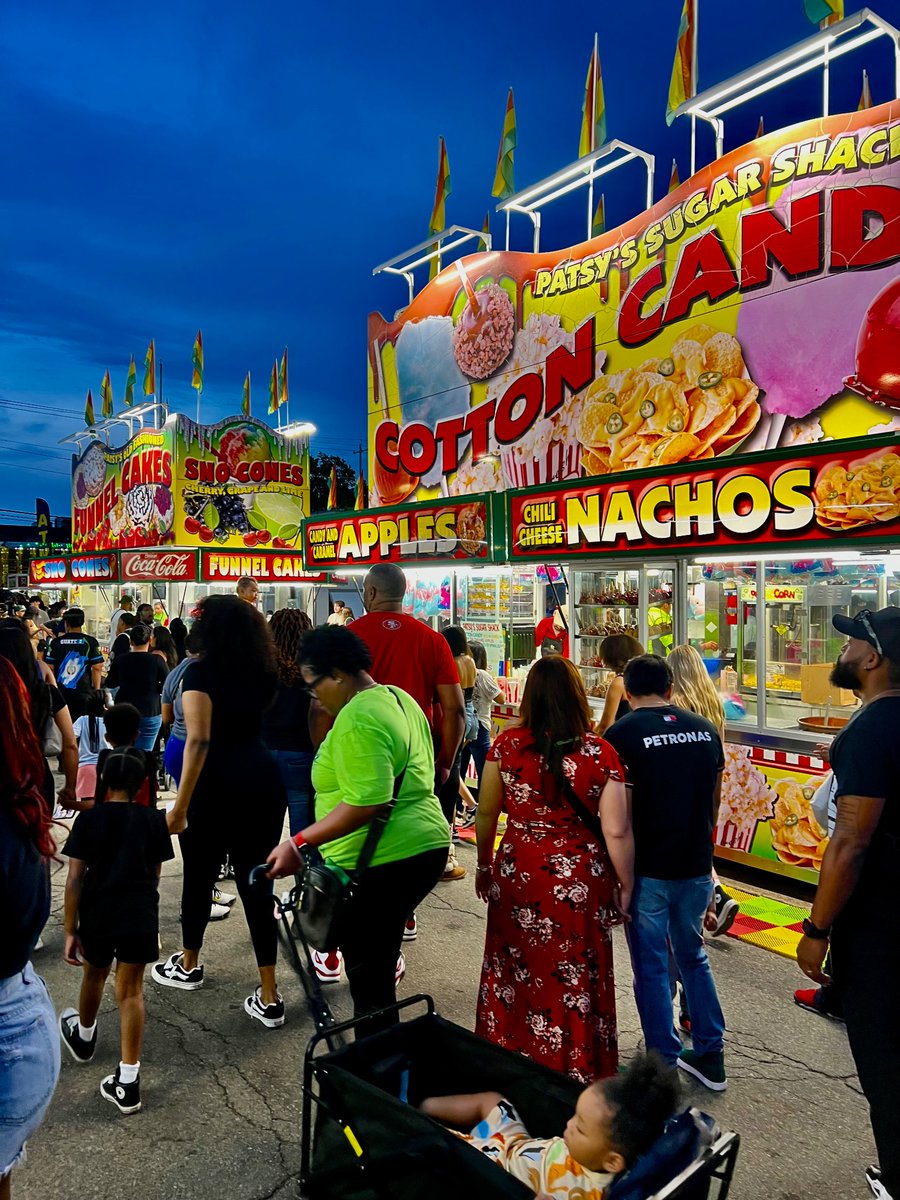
176	566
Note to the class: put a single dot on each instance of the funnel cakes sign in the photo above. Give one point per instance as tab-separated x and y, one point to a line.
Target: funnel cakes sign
757	306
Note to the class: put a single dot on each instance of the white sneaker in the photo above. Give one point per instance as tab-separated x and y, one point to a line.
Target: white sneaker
171	973
411	929
218	912
328	965
39	944
220	897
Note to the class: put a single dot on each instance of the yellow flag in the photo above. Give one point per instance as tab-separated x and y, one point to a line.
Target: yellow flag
683	83
106	395
197	363
593	110
865	99
150	370
129	384
674	181
504	178
245	399
438	219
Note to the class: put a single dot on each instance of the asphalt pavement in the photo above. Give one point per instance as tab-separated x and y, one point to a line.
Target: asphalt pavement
221	1094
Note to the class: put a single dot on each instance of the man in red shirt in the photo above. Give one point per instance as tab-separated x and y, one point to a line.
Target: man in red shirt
406	653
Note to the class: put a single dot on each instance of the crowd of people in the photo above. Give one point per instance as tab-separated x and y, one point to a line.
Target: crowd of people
362	736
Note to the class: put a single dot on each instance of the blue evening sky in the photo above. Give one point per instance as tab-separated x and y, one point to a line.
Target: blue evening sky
241	169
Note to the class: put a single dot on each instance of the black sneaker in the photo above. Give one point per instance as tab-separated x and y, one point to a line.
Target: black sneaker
727	910
80	1050
172	974
125	1096
708	1068
270	1015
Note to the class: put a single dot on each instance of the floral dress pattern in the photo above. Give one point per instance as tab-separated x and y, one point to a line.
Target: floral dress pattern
547	987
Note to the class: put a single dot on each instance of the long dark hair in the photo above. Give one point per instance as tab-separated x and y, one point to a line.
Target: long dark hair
555	709
238	650
178	630
22	765
288	627
15	645
95	711
164	642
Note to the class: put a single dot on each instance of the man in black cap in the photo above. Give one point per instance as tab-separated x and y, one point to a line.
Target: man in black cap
858	876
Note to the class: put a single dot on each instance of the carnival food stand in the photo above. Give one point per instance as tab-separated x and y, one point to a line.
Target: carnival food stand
692	417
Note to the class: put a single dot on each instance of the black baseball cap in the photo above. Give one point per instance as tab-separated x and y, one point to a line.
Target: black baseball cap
880	629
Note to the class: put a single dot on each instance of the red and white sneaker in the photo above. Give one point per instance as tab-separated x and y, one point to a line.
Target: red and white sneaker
401	969
328	965
411	929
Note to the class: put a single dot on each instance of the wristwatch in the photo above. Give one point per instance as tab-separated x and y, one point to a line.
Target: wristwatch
814	932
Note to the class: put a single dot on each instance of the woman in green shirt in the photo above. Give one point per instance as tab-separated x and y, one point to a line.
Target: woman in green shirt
378	732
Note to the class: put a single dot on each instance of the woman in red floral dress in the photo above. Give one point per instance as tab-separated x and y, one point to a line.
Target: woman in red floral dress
553	890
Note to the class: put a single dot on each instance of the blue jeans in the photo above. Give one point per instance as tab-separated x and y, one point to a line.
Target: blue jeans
476	750
665	911
294	767
173	757
148	731
29	1060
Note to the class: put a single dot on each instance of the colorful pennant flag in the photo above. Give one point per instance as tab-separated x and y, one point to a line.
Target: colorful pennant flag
332	490
89	418
273	388
486	231
283	380
150	370
504	178
360	493
824	12
865	99
438	219
683	83
245	399
593	110
674	181
106	395
197	361
598	224
760	131
130	380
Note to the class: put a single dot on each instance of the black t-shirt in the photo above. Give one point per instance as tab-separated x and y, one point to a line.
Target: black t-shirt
122	845
672	758
139	678
865	758
234	717
24	894
122	645
72	657
285	725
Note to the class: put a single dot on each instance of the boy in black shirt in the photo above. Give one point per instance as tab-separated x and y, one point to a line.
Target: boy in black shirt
674	762
77	663
115	852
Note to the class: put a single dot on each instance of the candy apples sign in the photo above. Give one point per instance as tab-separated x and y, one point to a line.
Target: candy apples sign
239	484
123	497
453	530
756	306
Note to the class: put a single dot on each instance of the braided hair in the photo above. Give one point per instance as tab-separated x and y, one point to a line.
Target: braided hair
288	627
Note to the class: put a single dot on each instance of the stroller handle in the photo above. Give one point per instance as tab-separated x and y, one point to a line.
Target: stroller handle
259	875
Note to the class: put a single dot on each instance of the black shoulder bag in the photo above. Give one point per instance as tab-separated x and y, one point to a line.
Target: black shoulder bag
591	820
326	890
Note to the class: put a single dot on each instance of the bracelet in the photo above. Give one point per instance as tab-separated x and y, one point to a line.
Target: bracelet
479	870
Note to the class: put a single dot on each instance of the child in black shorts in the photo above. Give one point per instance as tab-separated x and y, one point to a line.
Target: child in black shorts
115	853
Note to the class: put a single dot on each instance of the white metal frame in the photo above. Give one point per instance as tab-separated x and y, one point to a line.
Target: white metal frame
438	244
129	417
820	50
580	173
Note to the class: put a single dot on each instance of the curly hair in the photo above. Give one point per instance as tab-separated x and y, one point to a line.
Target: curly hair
237	647
335	648
643	1097
22	764
288	627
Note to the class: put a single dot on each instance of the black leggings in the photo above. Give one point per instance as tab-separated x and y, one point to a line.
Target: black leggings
373	932
448	793
241	818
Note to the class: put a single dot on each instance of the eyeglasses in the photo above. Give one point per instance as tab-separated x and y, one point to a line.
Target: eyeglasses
864	616
310	688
